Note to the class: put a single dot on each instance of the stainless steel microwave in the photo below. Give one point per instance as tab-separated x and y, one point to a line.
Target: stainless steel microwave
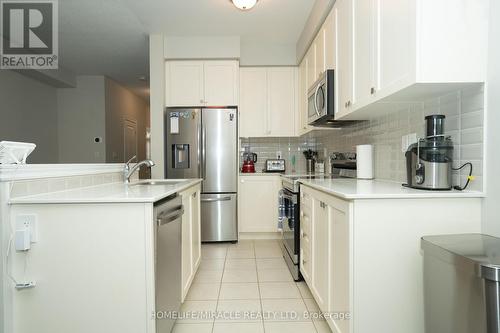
321	100
321	103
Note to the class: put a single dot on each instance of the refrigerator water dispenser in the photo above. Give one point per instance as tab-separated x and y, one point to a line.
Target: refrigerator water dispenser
180	156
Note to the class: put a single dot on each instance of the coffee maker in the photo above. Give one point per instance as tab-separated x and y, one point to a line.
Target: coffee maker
429	161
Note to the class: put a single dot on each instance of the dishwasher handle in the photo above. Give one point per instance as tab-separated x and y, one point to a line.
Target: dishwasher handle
164	218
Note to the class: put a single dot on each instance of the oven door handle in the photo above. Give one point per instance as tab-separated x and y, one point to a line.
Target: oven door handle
284	195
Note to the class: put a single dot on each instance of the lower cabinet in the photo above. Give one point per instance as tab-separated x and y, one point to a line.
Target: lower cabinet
258	203
325	253
191	236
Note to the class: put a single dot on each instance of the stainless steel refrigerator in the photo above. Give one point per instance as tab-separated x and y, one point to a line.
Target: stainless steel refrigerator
203	143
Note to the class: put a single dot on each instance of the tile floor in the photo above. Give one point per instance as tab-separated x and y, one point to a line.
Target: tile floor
250	290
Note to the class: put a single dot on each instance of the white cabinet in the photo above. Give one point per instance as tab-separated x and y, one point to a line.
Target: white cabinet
191	237
330	38
349	249
302	126
253	101
306	218
319	255
184	83
268	101
282	104
407	50
202	83
326	219
258	203
363	51
343	17
221	83
319	51
311	66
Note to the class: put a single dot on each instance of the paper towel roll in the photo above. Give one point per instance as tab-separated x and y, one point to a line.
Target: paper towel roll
365	163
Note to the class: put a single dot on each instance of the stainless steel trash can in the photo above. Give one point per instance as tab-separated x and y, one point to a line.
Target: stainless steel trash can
461	283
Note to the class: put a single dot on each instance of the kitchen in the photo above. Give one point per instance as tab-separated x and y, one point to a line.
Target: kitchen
291	174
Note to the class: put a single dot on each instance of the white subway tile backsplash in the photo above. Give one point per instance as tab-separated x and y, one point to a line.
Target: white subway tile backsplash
464	123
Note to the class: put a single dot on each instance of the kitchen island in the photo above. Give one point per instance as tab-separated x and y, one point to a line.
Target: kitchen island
93	259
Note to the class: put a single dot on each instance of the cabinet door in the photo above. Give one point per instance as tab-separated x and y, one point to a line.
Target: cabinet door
281	101
196	228
187	249
394	42
339	240
320	253
330	41
303	126
221	83
343	18
258	204
184	83
311	66
253	102
362	50
319	45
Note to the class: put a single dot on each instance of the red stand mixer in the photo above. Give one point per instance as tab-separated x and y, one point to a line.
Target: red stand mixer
249	160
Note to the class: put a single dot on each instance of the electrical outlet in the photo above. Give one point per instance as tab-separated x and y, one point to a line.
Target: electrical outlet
404	143
28	221
412	138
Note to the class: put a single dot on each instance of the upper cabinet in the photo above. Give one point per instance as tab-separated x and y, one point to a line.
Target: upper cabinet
343	17
268	101
406	50
202	83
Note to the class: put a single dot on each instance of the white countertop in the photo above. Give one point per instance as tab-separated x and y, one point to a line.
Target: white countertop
380	189
108	193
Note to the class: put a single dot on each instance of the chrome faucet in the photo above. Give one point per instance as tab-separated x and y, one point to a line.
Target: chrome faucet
128	172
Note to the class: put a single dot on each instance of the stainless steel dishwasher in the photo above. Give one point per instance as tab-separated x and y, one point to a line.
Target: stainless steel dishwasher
167	217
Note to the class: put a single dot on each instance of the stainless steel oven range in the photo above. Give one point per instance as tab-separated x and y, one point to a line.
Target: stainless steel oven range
289	213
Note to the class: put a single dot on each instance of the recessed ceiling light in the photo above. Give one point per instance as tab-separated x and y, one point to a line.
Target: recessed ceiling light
244	4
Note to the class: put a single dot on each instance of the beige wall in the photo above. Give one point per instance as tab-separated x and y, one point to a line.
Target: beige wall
122	105
81	118
98	107
28	113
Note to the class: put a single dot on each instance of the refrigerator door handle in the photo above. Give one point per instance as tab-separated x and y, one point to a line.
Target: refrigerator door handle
199	152
216	199
203	151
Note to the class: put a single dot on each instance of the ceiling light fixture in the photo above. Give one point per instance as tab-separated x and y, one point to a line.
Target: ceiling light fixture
244	4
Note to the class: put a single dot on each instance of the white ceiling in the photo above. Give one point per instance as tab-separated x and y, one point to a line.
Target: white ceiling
109	37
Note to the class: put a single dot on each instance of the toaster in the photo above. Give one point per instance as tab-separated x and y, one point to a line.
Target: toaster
275	165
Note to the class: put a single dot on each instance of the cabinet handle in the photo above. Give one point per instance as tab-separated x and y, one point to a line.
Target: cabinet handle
194	194
372	90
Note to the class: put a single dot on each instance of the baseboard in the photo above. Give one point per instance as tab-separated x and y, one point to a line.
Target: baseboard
260	235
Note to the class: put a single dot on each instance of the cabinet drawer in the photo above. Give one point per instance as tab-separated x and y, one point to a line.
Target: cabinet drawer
305	264
305	240
306	200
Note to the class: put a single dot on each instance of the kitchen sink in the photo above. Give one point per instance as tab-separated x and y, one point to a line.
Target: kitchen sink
159	182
